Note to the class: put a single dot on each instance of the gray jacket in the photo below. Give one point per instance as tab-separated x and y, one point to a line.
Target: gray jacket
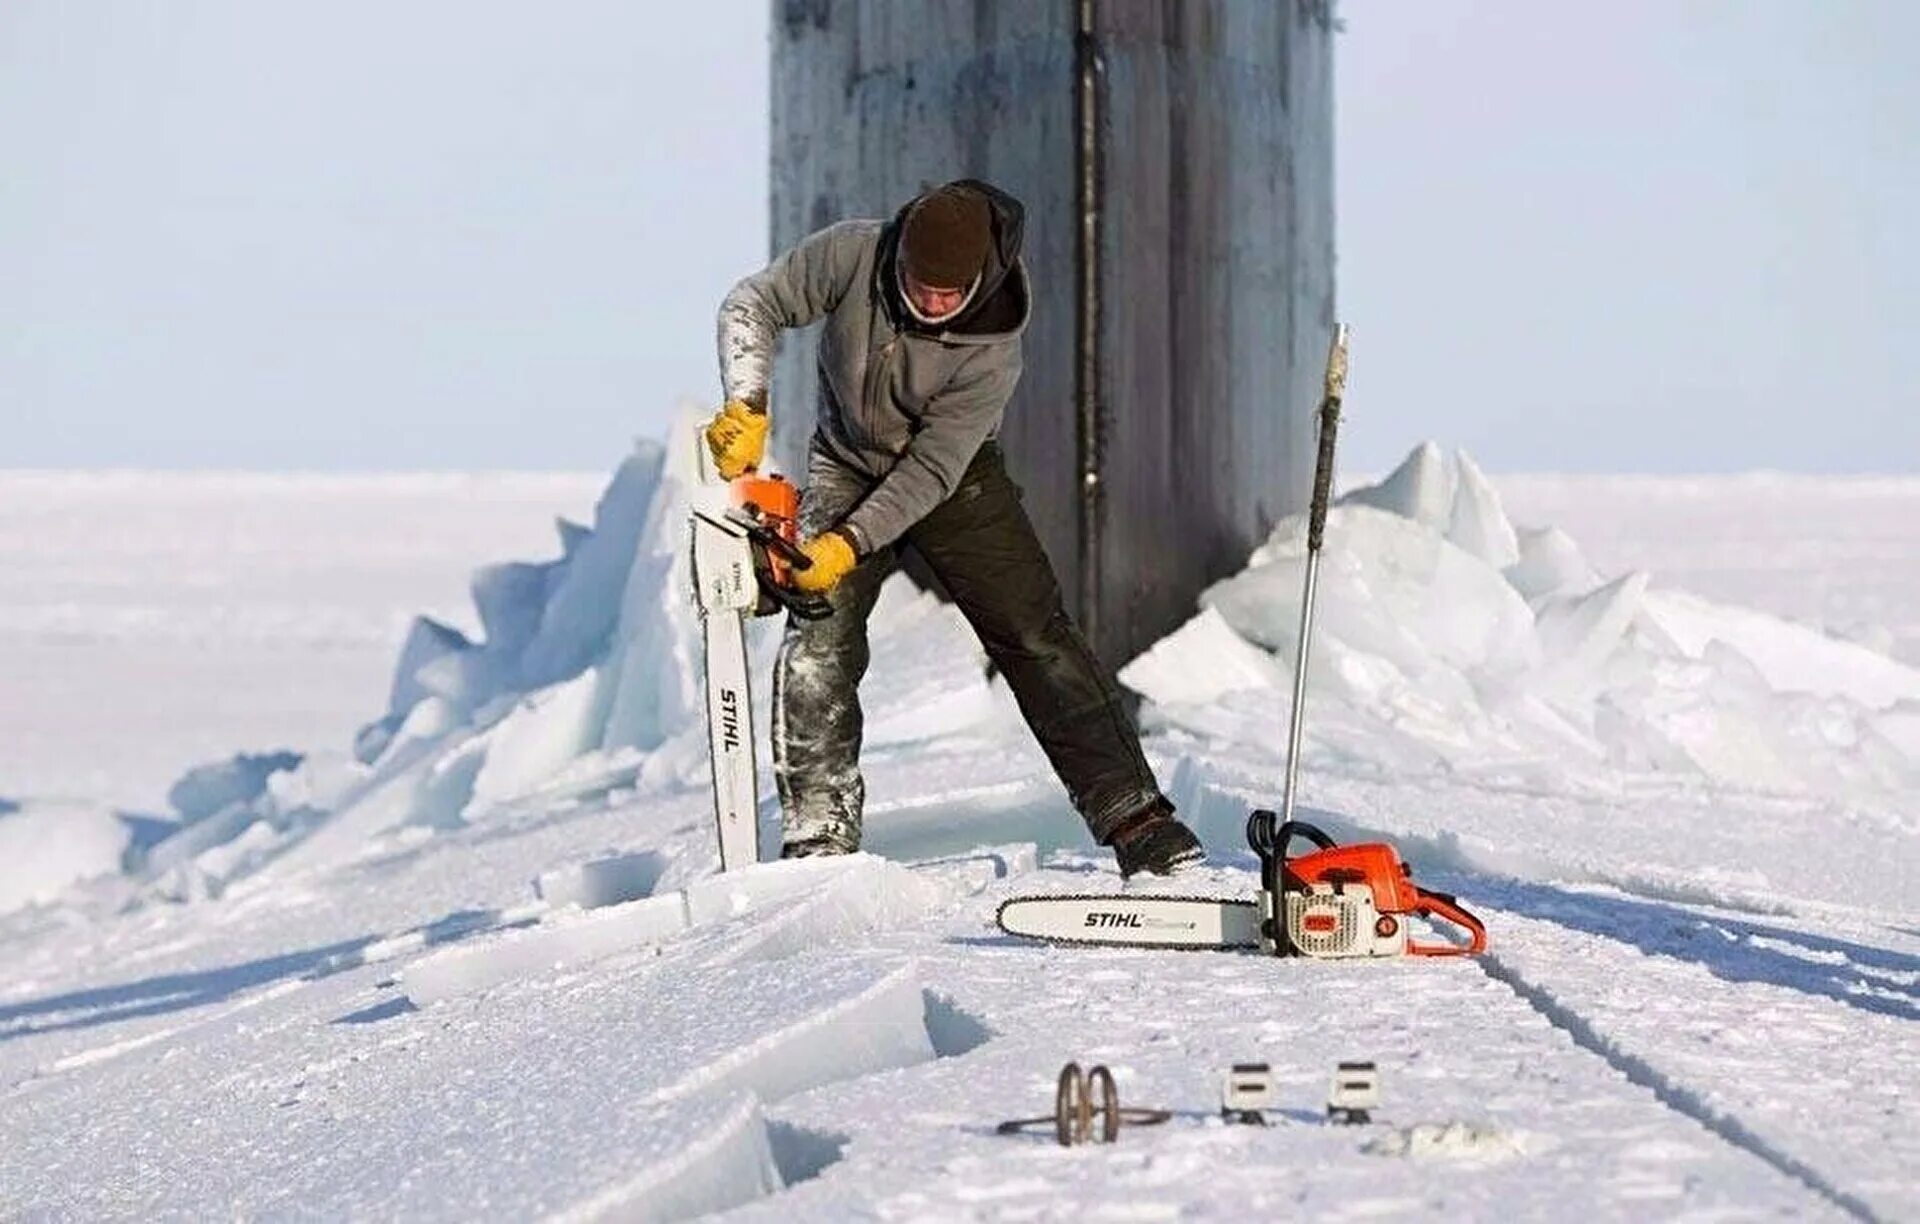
905	404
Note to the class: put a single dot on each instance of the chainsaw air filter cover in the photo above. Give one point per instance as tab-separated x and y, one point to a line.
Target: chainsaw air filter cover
1340	921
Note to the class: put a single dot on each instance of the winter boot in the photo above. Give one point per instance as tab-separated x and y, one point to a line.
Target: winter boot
815	847
815	826
1152	840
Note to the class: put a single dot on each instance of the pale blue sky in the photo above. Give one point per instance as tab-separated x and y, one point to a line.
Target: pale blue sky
1639	235
1627	236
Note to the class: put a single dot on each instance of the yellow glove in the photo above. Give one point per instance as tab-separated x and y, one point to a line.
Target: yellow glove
832	556
737	436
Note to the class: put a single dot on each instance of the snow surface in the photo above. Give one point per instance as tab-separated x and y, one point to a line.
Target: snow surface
471	959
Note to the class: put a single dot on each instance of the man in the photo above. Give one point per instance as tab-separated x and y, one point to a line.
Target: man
920	352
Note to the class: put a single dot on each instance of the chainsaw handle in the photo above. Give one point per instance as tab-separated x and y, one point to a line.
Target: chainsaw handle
788	552
1442	905
1269	836
746	521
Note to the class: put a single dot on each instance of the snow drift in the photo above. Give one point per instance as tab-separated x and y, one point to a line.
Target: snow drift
1450	641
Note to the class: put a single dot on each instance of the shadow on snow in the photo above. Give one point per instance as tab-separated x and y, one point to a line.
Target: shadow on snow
170	992
1732	949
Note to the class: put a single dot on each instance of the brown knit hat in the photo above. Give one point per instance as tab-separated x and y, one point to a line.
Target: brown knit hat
945	238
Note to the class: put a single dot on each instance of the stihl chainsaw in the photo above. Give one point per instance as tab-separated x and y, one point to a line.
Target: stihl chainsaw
1334	902
745	549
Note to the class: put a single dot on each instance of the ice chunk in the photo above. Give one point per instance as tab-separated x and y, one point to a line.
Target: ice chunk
444	790
427	641
1389	587
372	741
143	834
578	620
1578	634
1702	717
466	681
872	895
206	789
572	536
542	734
1792	658
202	835
567	938
1451	495
1550	563
703	1159
1478	523
719	897
1421	488
427	721
656	689
509	599
653	669
235	855
1200	661
46	848
603	881
799	904
881	1028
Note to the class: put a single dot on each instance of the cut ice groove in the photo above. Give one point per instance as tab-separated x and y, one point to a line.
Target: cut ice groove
1673	1095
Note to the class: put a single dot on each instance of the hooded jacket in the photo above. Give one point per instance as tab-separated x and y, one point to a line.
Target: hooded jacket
904	403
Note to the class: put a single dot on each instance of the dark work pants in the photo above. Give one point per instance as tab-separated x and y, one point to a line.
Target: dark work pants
982	547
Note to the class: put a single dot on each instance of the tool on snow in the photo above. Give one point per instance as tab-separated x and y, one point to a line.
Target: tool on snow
745	548
1336	902
1345	901
1246	1093
1073	1109
1354	1094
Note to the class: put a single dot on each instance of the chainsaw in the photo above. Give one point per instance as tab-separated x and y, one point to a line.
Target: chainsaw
1335	902
746	534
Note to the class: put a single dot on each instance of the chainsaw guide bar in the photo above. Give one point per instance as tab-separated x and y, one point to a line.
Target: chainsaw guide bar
1107	920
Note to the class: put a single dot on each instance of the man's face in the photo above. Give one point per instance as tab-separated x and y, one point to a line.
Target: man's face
930	301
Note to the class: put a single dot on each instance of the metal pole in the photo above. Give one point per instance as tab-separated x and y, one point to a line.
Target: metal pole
1086	342
1329	425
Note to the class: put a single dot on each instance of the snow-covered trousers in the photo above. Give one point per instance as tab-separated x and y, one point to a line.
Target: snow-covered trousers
981	545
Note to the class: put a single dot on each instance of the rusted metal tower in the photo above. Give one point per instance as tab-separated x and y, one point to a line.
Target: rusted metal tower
1176	160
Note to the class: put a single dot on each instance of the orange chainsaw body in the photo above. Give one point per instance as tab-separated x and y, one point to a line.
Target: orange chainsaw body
1345	901
1374	864
773	502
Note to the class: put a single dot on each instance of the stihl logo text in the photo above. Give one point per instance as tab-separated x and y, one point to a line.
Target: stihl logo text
1099	918
729	719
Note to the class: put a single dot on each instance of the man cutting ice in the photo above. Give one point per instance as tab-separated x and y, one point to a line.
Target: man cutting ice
918	357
